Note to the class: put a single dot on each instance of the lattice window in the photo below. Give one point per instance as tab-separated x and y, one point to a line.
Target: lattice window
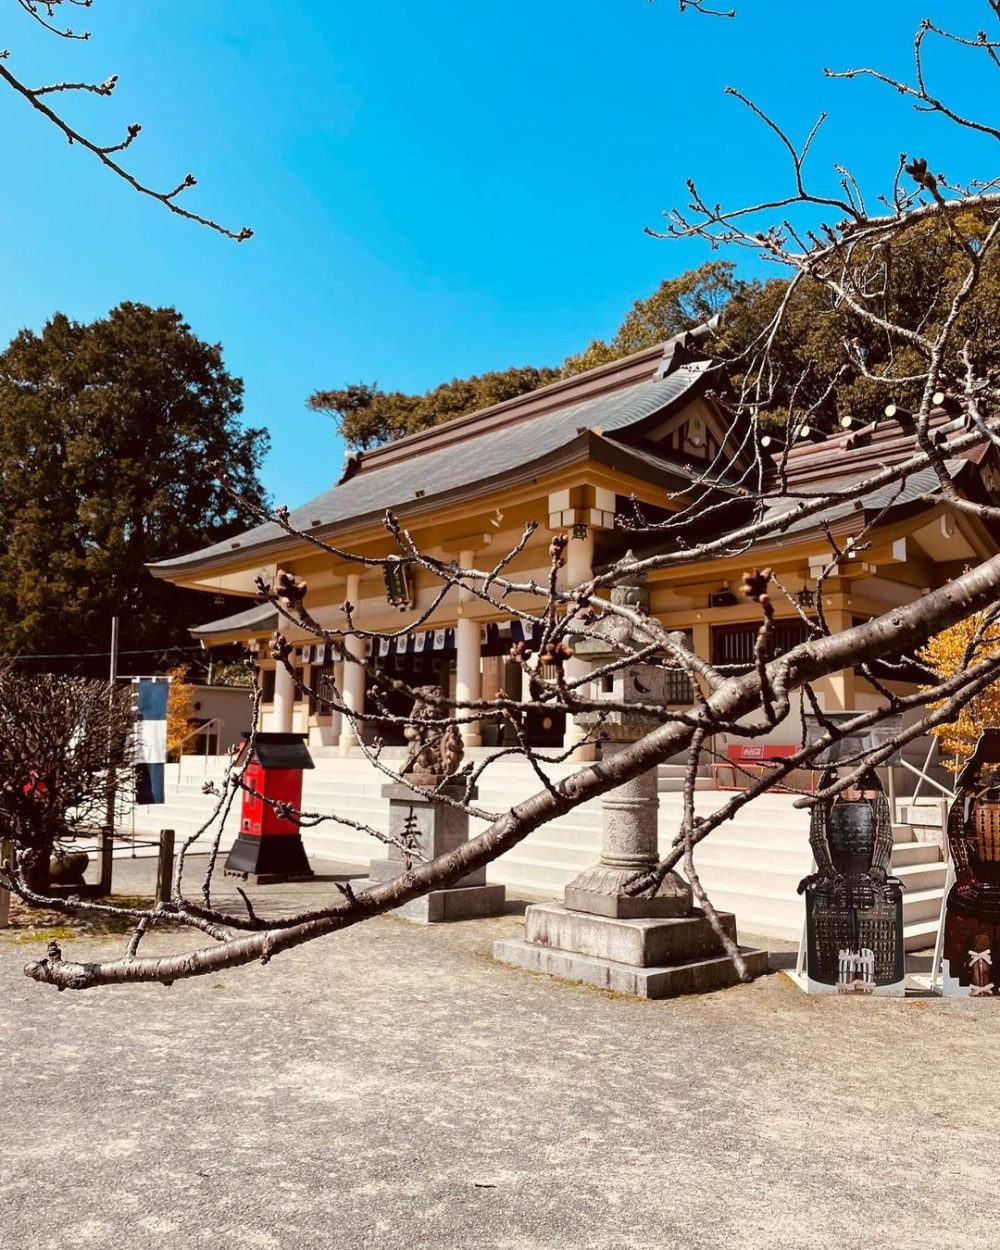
733	645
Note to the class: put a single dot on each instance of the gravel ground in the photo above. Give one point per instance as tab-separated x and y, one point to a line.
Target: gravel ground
394	1087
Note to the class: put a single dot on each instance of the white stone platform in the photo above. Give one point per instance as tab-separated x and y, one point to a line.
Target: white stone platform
647	958
750	866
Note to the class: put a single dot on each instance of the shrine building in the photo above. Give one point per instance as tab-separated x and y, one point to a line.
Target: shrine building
576	456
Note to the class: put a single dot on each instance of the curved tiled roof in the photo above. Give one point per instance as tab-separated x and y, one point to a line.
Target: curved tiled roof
260	616
476	457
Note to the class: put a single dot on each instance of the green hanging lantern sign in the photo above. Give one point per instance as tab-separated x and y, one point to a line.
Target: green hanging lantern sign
398	589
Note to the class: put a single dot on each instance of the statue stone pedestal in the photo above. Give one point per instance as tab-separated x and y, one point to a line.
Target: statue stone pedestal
653	946
432	829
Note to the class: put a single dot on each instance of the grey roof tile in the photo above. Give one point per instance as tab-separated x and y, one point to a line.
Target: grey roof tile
261	615
916	487
476	458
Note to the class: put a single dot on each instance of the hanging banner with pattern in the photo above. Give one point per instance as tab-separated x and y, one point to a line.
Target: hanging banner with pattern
151	737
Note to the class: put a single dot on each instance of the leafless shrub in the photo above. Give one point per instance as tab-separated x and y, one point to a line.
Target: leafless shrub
66	747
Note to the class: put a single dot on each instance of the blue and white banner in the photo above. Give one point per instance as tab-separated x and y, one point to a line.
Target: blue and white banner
151	738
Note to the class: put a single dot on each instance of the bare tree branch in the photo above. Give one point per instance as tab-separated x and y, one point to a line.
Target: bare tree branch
42	11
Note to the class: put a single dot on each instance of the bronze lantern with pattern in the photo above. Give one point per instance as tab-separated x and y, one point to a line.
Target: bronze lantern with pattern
972	911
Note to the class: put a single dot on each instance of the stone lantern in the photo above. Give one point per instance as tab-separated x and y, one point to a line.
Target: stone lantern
653	946
629	841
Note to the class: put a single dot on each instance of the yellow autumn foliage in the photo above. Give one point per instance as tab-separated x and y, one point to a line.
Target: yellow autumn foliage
180	708
948	653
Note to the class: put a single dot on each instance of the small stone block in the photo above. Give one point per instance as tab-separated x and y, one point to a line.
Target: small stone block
457	903
386	869
695	976
641	943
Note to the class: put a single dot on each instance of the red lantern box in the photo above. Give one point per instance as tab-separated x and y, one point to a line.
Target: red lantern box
269	848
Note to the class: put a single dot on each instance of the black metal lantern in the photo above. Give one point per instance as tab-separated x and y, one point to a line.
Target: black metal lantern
398	589
854	907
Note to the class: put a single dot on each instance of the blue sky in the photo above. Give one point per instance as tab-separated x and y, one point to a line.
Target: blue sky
436	190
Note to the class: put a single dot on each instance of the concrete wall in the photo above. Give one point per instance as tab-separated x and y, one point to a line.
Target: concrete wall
231	705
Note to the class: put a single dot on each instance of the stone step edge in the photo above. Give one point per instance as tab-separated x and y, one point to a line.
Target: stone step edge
734	840
912	896
904	873
716	970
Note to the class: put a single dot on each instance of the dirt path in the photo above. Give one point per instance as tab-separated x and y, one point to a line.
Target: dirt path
393	1087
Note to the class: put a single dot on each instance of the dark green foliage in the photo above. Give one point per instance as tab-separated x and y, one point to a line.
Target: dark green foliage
106	434
366	416
823	348
232	673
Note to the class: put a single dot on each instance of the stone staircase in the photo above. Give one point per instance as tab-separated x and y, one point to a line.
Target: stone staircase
751	865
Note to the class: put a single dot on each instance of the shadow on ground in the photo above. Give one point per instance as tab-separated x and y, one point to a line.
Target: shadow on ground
393	1087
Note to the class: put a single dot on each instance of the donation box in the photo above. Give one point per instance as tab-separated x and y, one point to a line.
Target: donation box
269	846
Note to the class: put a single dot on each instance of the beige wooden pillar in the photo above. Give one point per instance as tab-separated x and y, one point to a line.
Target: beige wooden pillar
579	567
701	645
336	716
353	686
285	695
468	671
838	688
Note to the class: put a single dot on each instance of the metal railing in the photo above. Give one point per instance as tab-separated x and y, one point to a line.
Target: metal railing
164	866
206	728
922	774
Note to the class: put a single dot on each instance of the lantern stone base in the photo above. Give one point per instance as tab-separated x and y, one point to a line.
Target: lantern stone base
269	859
432	829
647	958
600	892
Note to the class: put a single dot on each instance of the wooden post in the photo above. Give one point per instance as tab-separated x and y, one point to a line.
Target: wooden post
6	853
108	832
165	866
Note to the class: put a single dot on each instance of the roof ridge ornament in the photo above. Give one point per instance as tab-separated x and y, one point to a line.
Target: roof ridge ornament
677	351
352	465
